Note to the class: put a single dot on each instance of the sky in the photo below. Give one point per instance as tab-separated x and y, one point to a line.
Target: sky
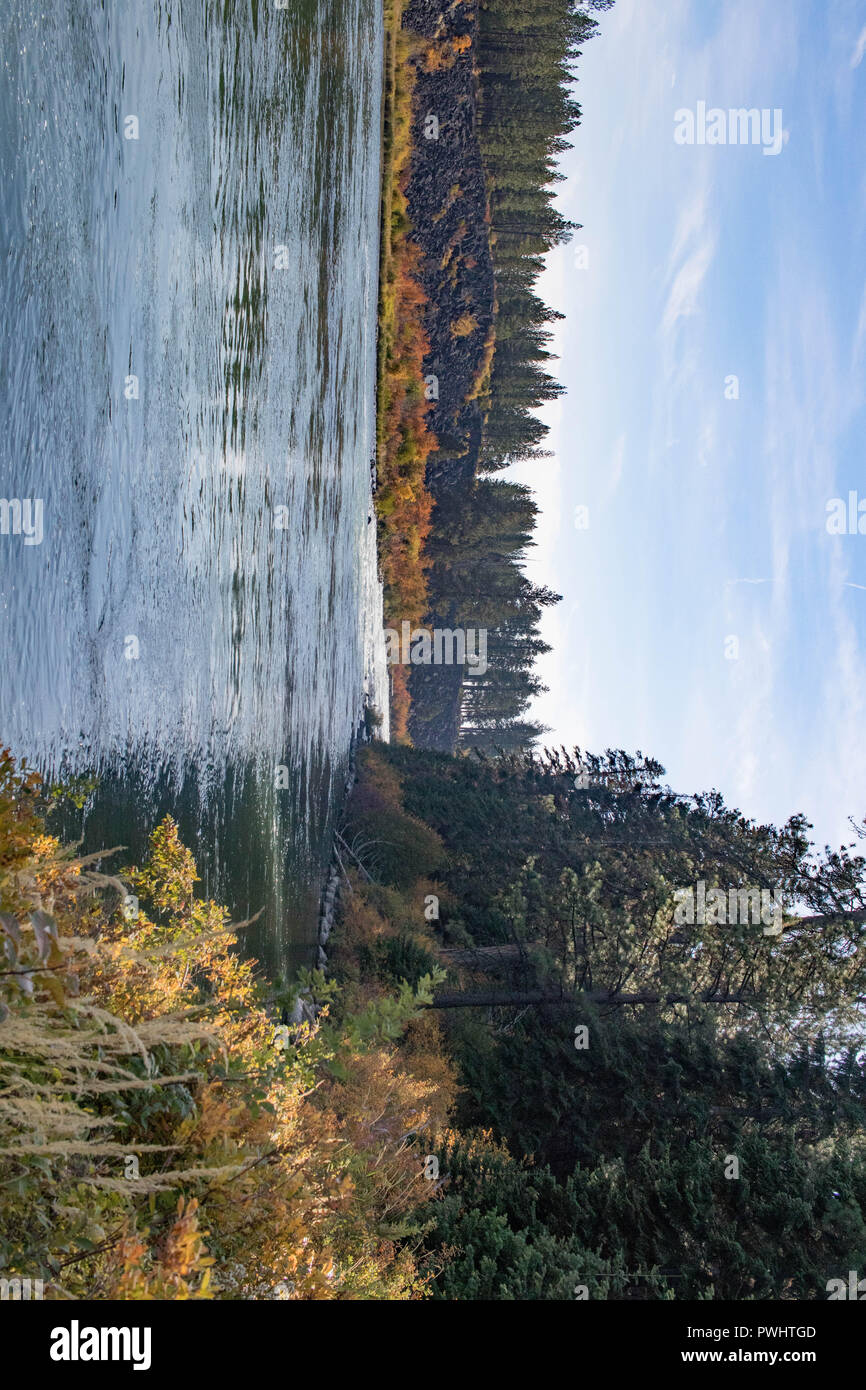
709	618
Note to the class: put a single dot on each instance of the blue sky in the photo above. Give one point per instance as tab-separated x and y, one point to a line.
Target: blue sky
707	515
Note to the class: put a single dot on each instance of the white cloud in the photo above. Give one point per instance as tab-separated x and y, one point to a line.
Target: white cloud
685	291
690	224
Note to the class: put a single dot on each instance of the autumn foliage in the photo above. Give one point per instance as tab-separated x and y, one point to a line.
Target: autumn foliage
162	1134
404	439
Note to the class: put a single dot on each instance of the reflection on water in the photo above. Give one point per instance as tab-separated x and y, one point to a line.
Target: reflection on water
188	255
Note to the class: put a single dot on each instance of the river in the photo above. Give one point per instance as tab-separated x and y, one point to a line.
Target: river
188	279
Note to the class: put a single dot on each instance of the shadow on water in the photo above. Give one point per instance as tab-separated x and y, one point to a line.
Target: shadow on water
259	848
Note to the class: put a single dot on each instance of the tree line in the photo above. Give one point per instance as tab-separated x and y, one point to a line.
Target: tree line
482	530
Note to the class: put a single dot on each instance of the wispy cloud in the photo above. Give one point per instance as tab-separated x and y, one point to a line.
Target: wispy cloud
685	291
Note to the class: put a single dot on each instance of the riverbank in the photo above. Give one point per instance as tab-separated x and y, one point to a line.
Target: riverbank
436	306
331	892
404	439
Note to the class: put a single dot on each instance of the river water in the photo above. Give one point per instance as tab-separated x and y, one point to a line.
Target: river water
188	278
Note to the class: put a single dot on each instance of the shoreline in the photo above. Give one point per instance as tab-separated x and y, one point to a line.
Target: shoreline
330	894
304	1010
